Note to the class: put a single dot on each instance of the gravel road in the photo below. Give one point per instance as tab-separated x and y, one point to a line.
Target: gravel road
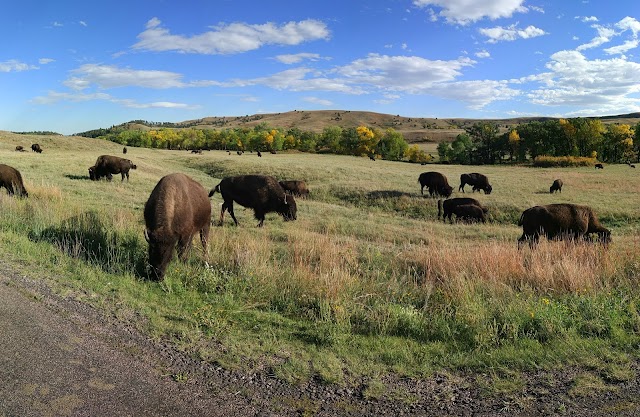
62	357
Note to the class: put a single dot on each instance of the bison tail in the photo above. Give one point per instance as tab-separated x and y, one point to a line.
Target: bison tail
521	221
214	190
439	208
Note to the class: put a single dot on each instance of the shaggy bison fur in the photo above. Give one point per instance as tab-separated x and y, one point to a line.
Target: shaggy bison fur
556	186
436	183
469	212
36	148
297	188
176	210
448	207
107	165
11	179
262	193
560	221
478	181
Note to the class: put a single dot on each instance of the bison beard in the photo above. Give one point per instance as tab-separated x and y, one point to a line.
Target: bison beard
560	221
176	210
262	193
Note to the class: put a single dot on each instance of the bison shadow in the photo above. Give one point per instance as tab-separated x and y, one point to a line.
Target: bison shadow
88	238
77	177
382	194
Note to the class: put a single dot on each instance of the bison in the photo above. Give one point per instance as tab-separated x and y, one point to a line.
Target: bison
297	188
36	148
124	150
107	165
560	221
478	181
599	166
447	207
11	179
176	210
19	148
259	154
556	186
372	157
262	193
436	183
469	212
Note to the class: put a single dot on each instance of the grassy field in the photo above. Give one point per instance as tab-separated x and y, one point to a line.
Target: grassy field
366	282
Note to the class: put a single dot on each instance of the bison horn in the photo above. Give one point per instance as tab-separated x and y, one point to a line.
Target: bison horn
146	235
285	200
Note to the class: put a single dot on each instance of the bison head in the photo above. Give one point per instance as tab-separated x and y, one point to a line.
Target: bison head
488	189
446	190
160	253
92	173
288	209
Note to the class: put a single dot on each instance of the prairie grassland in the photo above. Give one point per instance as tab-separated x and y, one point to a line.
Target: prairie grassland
367	281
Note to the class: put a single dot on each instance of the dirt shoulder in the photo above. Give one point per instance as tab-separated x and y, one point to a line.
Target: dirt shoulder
62	357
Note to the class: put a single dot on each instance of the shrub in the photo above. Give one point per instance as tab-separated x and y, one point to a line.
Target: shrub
545	161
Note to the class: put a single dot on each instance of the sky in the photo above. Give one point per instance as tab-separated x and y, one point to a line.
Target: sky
69	66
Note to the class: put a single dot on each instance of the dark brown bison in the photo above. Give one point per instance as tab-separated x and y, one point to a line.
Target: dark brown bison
107	165
372	157
176	210
124	150
436	183
447	207
469	212
556	186
297	188
560	221
19	148
273	152
599	166
11	179
478	181
36	148
262	193
259	154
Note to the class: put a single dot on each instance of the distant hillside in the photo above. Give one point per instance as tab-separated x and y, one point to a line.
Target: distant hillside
414	129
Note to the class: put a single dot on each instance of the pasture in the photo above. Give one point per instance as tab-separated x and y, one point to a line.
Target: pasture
365	283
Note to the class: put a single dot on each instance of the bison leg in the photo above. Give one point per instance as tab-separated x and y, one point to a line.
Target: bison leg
260	216
204	237
230	210
421	189
184	245
461	188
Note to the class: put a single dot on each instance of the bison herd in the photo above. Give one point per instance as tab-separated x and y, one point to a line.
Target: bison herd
179	207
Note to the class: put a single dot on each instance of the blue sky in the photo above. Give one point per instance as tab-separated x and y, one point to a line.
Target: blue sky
70	66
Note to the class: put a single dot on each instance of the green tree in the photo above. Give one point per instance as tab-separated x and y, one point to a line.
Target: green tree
484	137
392	145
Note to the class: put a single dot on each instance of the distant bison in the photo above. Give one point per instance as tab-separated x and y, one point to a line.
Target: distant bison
259	154
599	166
560	221
297	188
124	150
448	207
19	148
556	186
372	157
262	193
176	210
436	183
469	212
11	179
107	165
478	181
36	148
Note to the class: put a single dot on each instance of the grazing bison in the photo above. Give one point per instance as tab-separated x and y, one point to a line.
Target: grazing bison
11	179
297	188
176	210
632	166
556	186
447	207
124	150
372	157
262	193
19	148
599	166
259	154
273	152
478	181
436	183
107	165
469	212
560	221
36	148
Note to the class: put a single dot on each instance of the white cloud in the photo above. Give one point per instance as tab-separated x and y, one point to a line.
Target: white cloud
297	58
53	97
44	61
477	94
609	85
510	33
83	23
231	39
468	11
14	65
483	54
621	49
319	101
587	18
109	76
604	35
629	23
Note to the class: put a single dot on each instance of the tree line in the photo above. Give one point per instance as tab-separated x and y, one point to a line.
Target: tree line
484	143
